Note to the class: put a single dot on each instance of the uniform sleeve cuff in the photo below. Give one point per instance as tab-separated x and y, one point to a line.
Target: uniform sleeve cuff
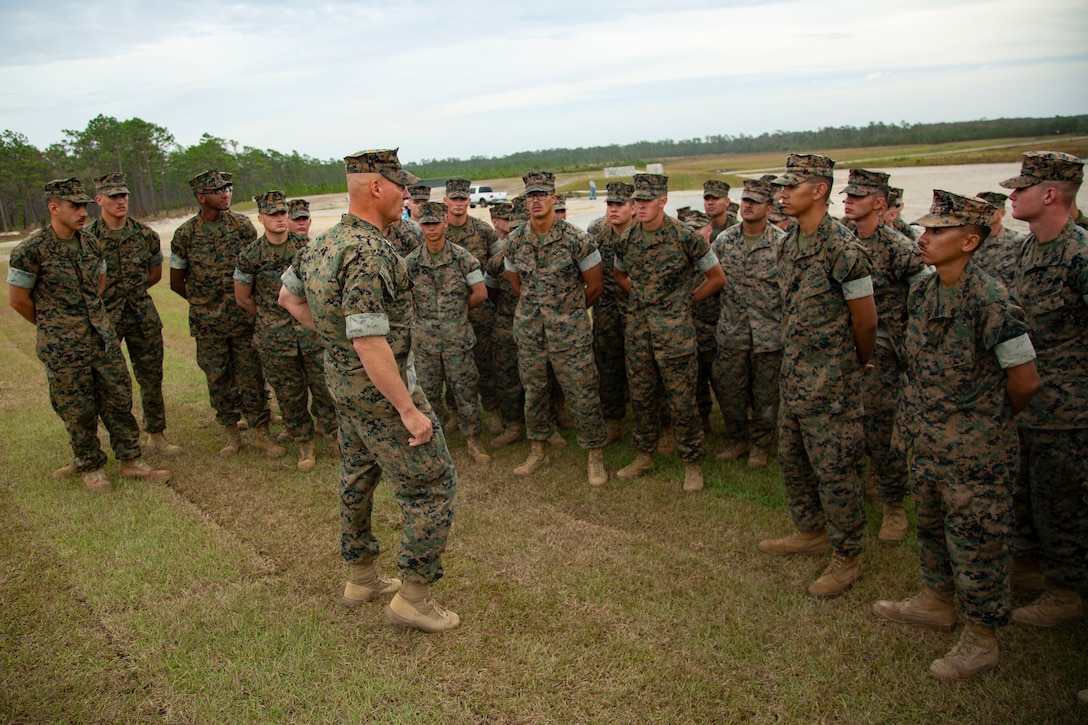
243	278
474	277
177	262
372	324
856	289
590	261
293	284
20	278
1016	351
617	263
707	261
508	265
156	260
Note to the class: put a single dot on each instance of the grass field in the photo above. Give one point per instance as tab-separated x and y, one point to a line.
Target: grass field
216	599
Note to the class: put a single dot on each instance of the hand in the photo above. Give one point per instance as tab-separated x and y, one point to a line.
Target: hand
867	367
420	428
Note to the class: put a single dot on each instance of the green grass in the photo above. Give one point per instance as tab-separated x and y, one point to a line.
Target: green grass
216	598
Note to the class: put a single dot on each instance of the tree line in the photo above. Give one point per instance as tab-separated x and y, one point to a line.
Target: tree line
158	168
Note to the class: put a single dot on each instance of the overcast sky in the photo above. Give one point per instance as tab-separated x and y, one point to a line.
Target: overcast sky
327	78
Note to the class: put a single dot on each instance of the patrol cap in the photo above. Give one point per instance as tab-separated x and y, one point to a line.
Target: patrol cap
953	210
380	161
683	213
993	197
650	186
560	202
758	190
457	188
271	202
67	189
111	184
432	212
298	209
519	212
716	188
1040	166
697	219
620	192
895	196
539	181
210	180
501	210
769	178
776	215
734	207
864	183
802	167
419	192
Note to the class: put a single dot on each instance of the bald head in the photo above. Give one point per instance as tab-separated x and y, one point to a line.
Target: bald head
375	198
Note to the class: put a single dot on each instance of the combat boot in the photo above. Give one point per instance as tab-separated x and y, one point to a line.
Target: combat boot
234	441
306	458
597	474
803	542
476	451
894	526
615	431
538	456
365	584
975	653
872	493
136	468
1055	606
666	442
643	463
332	444
495	426
96	481
693	477
734	450
839	576
757	457
68	469
928	608
556	440
413	606
262	442
157	443
1025	575
511	434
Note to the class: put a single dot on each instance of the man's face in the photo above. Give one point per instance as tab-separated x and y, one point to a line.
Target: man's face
859	207
114	206
300	226
218	199
457	208
561	213
393	201
540	204
619	213
942	244
70	216
502	226
434	234
274	223
797	199
650	211
715	205
1027	203
754	211
706	230
413	208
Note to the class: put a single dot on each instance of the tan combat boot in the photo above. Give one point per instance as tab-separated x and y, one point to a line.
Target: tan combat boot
928	608
894	526
139	470
556	440
68	469
666	441
413	606
234	441
757	457
1025	575
538	456
734	450
96	481
511	434
597	474
975	653
476	451
615	431
262	442
157	443
693	477
1055	606
306	458
643	463
839	576
365	584
332	444
495	426
803	542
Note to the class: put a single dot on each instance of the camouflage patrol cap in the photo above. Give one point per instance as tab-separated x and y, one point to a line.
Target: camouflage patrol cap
802	167
953	210
519	212
768	178
758	190
419	192
895	197
210	180
67	189
620	192
697	219
734	207
560	202
111	184
864	183
380	161
650	186
993	197
539	181
1040	166
457	188
298	209
716	188
271	202
683	213
501	210
432	212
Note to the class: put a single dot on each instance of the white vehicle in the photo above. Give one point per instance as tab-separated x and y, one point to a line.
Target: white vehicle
483	195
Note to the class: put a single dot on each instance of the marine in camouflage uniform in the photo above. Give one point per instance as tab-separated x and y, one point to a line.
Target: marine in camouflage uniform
507	383
298	217
354	288
405	235
291	355
133	264
749	330
705	313
655	260
969	363
829	329
55	281
417	194
893	215
997	256
1052	285
202	256
446	284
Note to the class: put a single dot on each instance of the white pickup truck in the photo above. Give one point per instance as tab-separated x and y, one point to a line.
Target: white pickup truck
483	195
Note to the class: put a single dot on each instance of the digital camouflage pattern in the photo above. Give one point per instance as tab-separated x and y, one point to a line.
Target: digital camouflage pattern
894	265
862	182
477	237
457	188
609	323
298	209
356	285
70	189
802	167
953	210
419	192
998	256
111	184
1039	166
650	186
405	235
507	383
716	188
539	181
271	202
210	180
380	161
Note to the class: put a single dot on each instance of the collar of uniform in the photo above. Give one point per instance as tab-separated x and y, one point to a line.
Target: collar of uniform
427	260
763	241
1054	253
951	307
554	234
823	230
351	220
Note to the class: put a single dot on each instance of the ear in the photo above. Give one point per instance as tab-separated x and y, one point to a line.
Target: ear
971	242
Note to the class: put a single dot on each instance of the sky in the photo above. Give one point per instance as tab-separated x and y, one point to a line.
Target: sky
440	80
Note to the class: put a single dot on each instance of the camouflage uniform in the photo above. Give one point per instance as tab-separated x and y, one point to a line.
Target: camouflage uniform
443	336
477	237
223	330
997	256
609	317
507	383
405	235
291	355
87	375
749	334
